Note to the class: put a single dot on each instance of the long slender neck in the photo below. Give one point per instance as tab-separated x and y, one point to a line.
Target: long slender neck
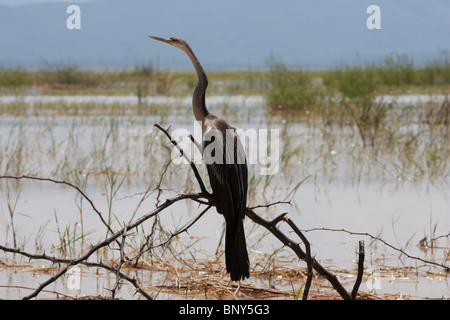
198	98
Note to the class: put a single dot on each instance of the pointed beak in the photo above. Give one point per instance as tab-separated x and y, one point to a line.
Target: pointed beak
161	39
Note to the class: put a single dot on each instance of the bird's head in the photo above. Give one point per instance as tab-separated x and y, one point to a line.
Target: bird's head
173	41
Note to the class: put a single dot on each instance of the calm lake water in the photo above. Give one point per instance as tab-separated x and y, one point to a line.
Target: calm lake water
344	190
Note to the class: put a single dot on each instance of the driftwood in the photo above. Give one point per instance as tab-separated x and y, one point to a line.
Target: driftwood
202	197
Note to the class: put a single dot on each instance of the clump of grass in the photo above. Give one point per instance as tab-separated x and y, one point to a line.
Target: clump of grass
352	82
397	71
356	105
370	118
70	74
15	77
148	77
437	114
436	71
290	89
393	72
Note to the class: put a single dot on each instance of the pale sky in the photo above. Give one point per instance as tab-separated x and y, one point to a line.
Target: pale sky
226	34
21	2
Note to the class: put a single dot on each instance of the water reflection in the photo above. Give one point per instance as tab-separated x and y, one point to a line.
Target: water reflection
348	188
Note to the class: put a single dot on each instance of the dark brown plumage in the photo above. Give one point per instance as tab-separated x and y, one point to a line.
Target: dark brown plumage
225	161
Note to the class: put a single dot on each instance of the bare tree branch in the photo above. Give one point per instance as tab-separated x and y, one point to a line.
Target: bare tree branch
270	204
110	239
119	265
271	226
85	263
205	198
308	258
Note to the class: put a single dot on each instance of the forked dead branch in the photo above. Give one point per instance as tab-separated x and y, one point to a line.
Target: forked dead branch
202	197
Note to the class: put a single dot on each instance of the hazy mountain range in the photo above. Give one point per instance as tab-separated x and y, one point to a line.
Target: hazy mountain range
232	34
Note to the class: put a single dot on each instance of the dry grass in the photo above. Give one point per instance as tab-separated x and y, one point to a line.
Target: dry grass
206	280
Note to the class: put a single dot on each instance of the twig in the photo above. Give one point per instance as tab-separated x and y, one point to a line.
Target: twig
308	258
193	167
111	238
447	268
28	288
361	255
119	265
68	261
185	229
270	204
67	184
199	147
158	186
275	221
271	226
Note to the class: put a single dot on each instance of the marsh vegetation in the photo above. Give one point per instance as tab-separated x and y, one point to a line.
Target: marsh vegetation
365	154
